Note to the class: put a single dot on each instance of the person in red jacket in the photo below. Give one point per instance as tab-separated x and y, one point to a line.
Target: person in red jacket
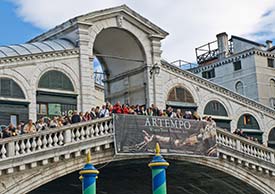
125	109
117	108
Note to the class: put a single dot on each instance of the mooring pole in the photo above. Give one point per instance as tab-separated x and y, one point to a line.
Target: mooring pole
88	176
158	166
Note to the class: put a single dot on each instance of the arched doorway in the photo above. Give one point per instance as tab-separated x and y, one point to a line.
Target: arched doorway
13	108
217	111
271	138
123	62
55	94
180	98
250	126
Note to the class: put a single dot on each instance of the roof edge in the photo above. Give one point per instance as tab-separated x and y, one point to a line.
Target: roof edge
73	21
249	41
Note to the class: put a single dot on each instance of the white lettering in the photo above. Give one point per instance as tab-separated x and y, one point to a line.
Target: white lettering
147	123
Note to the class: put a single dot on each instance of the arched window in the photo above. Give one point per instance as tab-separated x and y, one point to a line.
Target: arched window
179	94
247	121
272	88
10	89
271	138
250	126
215	108
55	80
239	88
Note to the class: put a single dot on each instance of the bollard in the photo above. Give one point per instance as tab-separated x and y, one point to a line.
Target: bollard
88	176
158	166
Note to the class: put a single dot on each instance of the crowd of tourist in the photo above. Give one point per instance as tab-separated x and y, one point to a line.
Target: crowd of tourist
99	112
241	133
96	112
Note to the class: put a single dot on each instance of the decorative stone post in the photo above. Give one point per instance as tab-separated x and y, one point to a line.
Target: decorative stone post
88	177
158	166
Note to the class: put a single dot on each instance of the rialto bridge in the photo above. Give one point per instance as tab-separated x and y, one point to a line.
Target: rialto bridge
53	73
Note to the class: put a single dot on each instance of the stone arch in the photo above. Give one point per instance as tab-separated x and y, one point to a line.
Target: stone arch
241	111
36	178
125	59
64	68
177	82
212	97
271	138
66	83
97	27
20	80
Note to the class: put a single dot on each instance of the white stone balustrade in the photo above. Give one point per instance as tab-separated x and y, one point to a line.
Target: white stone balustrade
62	143
52	138
244	147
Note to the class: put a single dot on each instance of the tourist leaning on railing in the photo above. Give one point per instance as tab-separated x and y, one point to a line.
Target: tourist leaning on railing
45	123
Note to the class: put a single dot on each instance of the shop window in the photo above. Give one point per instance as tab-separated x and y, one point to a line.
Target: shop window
180	95
215	108
247	121
42	109
10	89
55	80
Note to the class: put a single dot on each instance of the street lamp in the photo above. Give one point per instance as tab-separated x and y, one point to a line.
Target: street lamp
155	70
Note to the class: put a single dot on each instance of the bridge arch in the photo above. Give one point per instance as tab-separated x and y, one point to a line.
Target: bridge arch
42	176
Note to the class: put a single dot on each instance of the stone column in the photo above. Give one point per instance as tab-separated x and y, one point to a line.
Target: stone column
85	69
32	105
154	82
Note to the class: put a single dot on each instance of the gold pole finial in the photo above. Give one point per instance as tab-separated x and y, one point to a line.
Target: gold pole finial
89	157
157	149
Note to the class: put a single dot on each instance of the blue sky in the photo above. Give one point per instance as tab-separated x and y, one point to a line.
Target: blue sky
13	29
190	23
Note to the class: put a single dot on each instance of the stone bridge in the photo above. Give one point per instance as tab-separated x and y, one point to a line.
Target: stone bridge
29	161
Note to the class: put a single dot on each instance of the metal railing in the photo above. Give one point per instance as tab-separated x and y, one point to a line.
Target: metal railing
182	64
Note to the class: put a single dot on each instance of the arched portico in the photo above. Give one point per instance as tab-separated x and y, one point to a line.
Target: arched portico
124	64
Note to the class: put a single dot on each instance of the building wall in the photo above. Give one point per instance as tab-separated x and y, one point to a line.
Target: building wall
227	77
264	75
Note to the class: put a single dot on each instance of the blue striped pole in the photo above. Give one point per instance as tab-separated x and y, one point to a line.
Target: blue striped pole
158	166
88	177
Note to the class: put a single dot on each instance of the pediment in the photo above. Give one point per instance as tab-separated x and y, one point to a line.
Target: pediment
121	13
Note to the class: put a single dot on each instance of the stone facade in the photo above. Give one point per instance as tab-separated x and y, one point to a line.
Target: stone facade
254	74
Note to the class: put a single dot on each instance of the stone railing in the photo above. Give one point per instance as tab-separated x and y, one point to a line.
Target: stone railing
245	152
20	147
52	145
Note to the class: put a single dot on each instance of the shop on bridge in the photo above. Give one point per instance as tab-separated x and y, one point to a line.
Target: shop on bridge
55	95
218	112
13	104
181	98
249	125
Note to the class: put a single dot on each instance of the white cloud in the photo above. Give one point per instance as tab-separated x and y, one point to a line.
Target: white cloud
190	23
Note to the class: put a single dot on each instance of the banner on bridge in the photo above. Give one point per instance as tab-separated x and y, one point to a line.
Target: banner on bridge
139	134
